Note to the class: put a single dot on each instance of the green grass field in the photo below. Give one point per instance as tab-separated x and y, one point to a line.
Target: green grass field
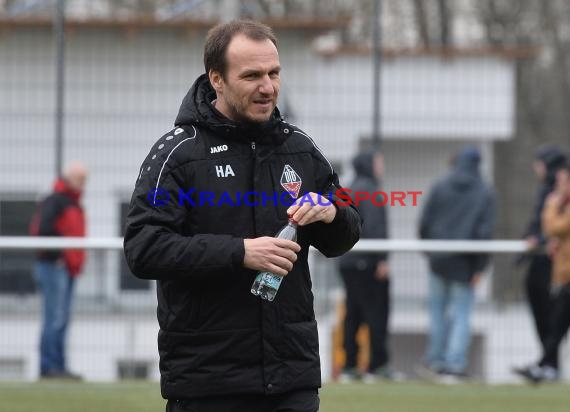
405	397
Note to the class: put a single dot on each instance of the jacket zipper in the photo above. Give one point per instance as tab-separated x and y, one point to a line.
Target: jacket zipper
253	185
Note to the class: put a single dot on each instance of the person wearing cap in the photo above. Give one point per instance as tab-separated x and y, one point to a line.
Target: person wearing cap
460	206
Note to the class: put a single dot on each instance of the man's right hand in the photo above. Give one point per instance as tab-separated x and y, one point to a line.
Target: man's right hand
269	254
555	198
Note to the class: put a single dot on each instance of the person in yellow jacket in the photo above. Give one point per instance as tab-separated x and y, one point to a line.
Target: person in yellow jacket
556	225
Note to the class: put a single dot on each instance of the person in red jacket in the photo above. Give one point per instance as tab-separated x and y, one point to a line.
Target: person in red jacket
59	214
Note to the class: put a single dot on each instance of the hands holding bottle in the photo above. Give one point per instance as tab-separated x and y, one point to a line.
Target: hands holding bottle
275	255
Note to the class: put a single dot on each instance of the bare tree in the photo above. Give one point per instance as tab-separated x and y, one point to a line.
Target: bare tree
553	26
422	22
446	22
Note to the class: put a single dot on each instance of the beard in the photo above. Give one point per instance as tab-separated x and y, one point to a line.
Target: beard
239	112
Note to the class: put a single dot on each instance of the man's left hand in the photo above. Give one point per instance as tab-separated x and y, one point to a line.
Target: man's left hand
552	246
476	279
382	270
317	209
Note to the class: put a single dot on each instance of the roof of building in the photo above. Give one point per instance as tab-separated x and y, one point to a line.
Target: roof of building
309	24
509	53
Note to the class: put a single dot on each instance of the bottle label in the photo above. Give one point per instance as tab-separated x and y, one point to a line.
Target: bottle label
271	280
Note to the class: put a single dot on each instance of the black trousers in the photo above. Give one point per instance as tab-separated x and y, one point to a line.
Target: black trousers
538	293
559	325
297	401
367	302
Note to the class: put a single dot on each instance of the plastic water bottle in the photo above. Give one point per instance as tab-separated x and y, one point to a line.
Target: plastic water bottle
266	284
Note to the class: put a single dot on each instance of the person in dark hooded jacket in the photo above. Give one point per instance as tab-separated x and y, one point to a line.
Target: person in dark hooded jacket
210	197
366	280
460	206
548	160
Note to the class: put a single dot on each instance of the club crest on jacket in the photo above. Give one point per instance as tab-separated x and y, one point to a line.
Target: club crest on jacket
291	181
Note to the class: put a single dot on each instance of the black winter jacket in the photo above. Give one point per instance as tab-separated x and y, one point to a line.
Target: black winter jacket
215	337
375	223
459	207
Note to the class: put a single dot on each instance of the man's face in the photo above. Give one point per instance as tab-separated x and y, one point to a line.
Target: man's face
563	182
75	176
248	91
77	180
378	165
539	169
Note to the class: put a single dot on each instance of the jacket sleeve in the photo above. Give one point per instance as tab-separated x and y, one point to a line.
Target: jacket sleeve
71	223
485	228
375	223
428	213
555	223
156	245
534	227
339	236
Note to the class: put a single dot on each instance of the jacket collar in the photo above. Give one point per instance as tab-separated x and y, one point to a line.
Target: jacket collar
61	186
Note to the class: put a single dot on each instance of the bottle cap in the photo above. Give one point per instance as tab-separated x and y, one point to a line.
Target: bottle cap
291	219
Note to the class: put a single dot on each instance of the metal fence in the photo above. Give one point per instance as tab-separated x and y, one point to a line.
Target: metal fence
113	333
124	81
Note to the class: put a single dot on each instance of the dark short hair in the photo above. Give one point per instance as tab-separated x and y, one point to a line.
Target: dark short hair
220	36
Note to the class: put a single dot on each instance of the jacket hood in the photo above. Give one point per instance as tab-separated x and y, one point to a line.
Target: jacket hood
466	171
363	164
553	158
61	186
197	108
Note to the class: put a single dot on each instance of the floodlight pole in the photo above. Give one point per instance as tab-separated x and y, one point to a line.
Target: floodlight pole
59	35
376	74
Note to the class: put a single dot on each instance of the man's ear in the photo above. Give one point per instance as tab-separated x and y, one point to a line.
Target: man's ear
216	80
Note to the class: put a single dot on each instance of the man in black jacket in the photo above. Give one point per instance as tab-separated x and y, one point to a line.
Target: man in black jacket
209	198
365	277
460	207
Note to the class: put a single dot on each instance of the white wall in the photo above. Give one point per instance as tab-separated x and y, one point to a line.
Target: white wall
423	98
98	342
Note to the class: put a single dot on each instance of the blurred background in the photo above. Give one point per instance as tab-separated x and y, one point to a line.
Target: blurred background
492	73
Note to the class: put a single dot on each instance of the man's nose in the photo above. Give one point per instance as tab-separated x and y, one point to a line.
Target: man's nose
266	86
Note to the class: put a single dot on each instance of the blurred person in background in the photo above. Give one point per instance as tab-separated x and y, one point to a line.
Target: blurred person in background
55	271
547	161
460	206
366	280
556	226
222	348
